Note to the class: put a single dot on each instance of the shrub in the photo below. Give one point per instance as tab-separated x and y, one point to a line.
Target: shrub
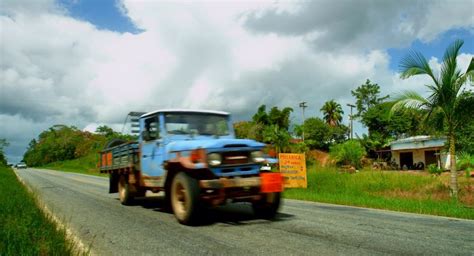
466	162
434	169
348	153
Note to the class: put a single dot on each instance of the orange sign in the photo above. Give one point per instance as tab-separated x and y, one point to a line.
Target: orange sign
293	170
271	182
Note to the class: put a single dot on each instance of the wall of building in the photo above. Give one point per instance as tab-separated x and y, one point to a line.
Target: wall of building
419	156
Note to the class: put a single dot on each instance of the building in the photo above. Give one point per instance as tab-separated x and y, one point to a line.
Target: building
419	151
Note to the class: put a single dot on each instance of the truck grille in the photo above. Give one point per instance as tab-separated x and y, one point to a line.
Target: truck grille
236	158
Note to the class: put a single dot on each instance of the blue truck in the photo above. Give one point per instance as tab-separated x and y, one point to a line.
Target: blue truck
195	159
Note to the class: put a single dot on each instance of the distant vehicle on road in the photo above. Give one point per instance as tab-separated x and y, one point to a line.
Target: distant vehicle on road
194	157
21	166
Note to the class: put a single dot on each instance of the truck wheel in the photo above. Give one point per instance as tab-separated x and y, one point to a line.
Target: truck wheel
125	195
184	198
267	207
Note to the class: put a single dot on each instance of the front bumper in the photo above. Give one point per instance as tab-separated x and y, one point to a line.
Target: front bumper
267	182
230	183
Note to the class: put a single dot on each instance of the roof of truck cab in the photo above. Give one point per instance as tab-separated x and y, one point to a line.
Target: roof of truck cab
185	111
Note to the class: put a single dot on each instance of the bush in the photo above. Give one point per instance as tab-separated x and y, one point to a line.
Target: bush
434	169
348	153
466	162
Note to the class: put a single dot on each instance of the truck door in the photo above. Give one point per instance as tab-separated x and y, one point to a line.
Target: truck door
151	148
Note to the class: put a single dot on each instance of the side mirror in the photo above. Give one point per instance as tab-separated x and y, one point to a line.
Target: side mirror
145	135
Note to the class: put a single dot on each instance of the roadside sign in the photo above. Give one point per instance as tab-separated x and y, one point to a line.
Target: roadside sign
293	170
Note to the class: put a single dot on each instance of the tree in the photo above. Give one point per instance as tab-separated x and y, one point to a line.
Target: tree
3	144
367	95
384	127
271	127
332	113
465	131
247	130
446	96
277	136
106	131
350	152
261	116
320	135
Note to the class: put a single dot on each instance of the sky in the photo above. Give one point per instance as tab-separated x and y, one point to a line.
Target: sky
88	63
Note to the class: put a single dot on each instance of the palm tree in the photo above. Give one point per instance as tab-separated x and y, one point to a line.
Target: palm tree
332	112
446	95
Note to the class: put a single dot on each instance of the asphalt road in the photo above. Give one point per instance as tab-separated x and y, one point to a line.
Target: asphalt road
302	228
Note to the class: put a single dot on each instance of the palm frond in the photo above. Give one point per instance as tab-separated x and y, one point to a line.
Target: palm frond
449	72
469	75
415	64
409	99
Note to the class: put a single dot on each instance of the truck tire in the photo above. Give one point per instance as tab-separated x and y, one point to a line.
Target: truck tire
267	207
185	198
125	194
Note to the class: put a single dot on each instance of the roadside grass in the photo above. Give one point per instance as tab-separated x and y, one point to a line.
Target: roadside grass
399	191
85	165
24	229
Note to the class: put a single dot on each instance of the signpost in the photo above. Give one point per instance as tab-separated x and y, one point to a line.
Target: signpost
293	170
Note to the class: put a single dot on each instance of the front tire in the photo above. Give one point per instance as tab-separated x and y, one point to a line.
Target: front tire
185	198
267	207
125	194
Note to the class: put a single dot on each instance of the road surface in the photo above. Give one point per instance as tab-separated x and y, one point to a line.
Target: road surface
302	228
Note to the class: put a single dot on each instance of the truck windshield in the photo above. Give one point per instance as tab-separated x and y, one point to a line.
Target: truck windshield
196	124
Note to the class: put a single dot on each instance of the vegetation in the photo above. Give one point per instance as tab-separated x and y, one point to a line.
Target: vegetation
25	230
86	165
332	113
465	162
447	102
320	135
434	169
367	96
350	152
398	191
3	145
270	127
464	134
64	143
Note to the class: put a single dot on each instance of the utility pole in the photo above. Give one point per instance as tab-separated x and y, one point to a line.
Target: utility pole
351	117
303	106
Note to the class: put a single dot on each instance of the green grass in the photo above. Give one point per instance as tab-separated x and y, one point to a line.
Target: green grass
398	191
24	229
85	165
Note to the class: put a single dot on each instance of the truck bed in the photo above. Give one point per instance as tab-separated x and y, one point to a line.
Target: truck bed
121	157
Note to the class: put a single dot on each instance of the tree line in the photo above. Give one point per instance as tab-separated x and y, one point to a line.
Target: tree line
61	142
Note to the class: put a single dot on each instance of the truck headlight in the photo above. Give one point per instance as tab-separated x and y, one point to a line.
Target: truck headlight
214	159
257	156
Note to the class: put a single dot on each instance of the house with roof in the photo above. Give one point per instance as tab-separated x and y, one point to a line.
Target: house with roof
419	151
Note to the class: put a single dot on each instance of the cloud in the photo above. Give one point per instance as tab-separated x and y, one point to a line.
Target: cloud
343	25
227	56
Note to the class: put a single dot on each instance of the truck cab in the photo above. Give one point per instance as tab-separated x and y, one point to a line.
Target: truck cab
194	157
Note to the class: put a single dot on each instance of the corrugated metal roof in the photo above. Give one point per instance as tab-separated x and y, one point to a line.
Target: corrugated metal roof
418	142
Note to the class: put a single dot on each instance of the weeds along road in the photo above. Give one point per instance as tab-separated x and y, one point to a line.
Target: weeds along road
302	228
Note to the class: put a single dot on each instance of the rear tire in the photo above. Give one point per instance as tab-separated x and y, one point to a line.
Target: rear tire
267	207
125	194
185	198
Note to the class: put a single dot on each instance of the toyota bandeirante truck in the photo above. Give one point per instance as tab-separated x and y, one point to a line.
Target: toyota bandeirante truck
195	159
